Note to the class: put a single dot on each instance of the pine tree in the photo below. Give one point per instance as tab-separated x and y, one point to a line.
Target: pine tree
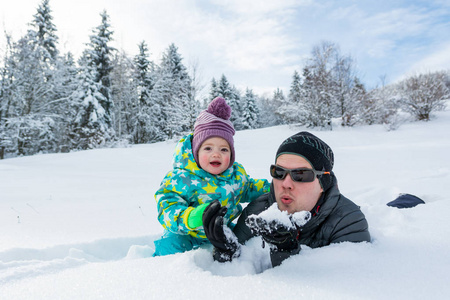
315	106
65	84
99	56
31	117
278	100
289	109
59	80
143	131
295	92
6	83
268	109
90	128
267	116
353	104
250	112
214	92
322	86
145	73
6	100
170	95
45	31
232	96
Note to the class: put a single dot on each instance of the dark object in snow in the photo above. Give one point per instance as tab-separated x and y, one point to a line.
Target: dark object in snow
405	201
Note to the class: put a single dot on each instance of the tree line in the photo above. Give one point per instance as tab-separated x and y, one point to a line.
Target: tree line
51	102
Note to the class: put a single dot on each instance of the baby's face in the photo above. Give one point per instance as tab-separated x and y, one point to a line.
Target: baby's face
214	155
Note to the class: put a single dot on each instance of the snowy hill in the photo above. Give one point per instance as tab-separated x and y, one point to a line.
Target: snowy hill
81	225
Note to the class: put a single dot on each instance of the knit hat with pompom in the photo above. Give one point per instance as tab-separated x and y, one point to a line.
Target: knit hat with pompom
214	122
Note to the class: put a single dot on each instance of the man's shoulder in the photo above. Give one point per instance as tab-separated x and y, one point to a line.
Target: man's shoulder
349	222
346	206
339	210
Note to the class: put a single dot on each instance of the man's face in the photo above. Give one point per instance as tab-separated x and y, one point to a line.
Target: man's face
294	196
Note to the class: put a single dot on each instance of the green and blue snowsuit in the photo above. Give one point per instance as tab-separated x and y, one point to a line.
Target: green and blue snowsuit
188	186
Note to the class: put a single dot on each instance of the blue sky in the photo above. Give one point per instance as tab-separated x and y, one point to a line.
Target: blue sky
259	44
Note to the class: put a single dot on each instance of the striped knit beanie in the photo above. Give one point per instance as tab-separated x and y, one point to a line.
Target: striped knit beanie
214	122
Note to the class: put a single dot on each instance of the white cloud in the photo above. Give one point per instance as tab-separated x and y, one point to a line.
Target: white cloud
251	7
255	43
246	39
436	61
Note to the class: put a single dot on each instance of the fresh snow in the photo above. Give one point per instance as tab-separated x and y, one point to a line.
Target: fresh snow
81	225
273	217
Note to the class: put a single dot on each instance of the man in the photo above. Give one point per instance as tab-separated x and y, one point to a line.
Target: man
303	180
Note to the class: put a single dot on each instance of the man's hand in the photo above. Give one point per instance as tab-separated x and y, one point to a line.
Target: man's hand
282	236
226	246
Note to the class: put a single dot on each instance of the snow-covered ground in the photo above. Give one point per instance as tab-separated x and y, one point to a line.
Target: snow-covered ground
81	225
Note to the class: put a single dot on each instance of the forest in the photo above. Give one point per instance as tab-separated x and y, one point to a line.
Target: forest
52	102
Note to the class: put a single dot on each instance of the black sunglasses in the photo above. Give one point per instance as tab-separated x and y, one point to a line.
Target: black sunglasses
298	175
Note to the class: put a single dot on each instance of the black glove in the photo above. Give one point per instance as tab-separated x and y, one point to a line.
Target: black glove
281	233
283	237
226	246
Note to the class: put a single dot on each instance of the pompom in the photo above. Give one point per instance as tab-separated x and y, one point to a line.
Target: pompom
219	108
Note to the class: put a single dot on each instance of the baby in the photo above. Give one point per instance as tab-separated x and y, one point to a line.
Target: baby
204	170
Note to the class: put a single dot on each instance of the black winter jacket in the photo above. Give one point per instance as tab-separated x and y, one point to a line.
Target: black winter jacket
334	219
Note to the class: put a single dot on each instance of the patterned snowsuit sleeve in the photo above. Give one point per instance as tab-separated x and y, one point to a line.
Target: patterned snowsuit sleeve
173	204
256	188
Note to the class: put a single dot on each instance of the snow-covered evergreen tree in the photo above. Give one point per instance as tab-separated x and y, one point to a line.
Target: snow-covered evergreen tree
213	92
316	104
143	131
268	115
90	128
352	104
295	92
65	83
235	102
170	96
6	83
250	112
225	90
278	99
45	31
159	117
289	109
99	56
32	122
145	73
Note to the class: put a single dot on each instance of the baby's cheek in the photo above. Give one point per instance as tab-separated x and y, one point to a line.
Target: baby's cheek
226	160
203	160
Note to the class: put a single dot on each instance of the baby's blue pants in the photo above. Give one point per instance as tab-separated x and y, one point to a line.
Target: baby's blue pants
171	243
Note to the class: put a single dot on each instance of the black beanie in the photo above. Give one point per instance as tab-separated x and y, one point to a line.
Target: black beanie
314	150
